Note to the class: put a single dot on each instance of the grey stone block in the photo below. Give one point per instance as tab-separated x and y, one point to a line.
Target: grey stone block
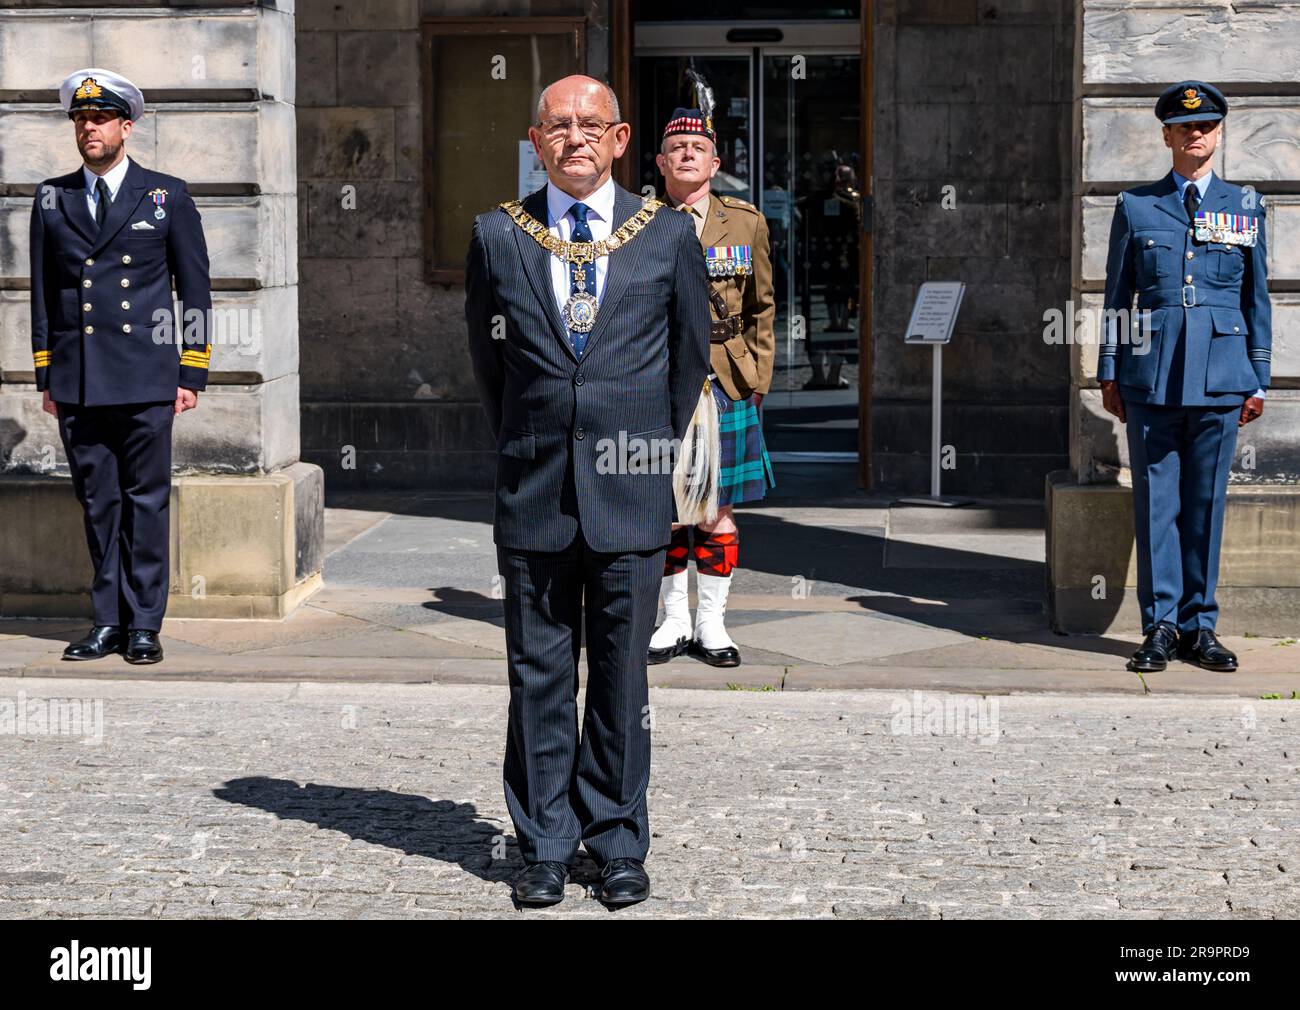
1122	142
1260	139
1283	238
245	47
240	429
252	335
236	429
1148	41
257	143
309	518
379	66
317	67
382	219
347	144
249	238
318	15
1090	537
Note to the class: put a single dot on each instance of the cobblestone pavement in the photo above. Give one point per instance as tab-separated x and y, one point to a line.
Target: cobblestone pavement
360	800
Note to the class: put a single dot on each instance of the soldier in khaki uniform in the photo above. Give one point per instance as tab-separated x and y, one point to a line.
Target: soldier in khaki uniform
734	236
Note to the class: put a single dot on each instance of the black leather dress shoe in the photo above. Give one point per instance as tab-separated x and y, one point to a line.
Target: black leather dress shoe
143	647
541	884
730	656
1156	650
1203	648
654	656
103	640
624	882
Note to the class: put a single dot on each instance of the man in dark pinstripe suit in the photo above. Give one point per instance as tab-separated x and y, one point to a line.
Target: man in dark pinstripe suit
586	410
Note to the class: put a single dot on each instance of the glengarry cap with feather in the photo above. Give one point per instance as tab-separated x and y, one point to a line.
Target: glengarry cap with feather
698	120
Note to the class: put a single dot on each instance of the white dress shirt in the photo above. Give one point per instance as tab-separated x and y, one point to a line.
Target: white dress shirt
1202	184
600	211
113	178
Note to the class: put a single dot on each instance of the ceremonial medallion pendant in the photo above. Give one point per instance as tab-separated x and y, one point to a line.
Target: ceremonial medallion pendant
580	309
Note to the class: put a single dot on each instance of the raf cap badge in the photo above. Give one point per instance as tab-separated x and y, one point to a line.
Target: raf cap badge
159	198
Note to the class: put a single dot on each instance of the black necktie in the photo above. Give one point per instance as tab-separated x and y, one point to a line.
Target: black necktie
101	202
1191	200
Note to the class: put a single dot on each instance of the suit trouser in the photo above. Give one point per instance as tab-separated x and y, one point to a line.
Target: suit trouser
1180	458
121	462
562	791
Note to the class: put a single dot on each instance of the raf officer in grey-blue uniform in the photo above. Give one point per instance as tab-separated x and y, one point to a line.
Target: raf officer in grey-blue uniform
108	242
1186	370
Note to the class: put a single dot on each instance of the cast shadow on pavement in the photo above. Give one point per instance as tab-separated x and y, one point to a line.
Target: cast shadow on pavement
444	830
937	583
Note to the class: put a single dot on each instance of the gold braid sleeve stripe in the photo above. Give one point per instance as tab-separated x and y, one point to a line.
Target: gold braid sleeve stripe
41	358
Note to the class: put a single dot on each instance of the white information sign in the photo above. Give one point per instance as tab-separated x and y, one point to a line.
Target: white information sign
935	312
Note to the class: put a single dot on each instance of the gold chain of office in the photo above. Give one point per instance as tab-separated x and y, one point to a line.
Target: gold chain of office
580	310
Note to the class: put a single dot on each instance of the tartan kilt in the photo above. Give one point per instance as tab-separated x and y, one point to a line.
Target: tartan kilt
745	470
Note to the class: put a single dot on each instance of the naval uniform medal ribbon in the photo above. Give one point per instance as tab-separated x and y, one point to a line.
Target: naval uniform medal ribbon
159	197
580	310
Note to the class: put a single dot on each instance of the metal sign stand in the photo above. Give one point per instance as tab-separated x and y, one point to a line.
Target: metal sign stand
933	318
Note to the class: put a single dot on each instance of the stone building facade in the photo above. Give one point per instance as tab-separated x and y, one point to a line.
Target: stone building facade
994	137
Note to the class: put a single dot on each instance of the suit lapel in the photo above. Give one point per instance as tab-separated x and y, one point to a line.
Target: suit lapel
72	199
128	198
621	267
537	266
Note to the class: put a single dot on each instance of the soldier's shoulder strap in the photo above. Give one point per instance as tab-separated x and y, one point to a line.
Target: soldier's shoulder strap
735	203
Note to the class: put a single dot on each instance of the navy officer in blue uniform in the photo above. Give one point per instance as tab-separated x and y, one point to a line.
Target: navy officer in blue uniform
1186	370
108	241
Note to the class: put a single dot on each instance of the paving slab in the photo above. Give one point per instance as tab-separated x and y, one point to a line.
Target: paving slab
839	638
351	800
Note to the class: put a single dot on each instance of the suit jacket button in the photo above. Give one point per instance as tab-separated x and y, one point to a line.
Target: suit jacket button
126	260
580	434
125	283
86	283
126	327
1190	254
90	262
86	307
126	305
578	380
1187	279
1236	329
1151	242
90	329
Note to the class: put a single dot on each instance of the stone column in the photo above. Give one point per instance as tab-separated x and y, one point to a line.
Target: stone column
246	517
1127	54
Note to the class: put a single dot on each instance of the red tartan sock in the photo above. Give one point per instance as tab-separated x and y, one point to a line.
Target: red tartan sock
677	556
716	553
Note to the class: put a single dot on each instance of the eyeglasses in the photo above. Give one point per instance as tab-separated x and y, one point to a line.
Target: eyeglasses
591	129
